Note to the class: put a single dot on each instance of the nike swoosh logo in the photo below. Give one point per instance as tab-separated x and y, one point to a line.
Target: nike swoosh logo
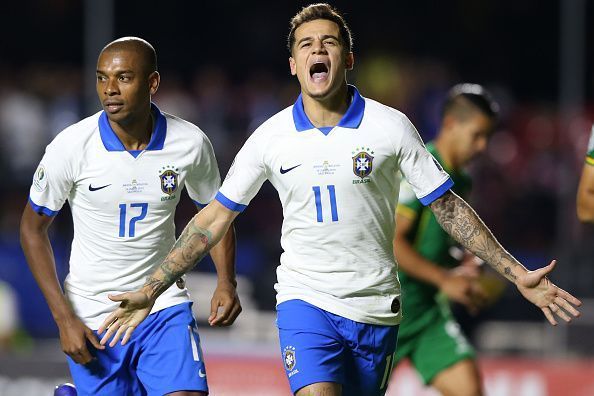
283	171
201	373
91	188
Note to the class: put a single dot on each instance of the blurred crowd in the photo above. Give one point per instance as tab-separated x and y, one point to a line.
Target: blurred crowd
524	187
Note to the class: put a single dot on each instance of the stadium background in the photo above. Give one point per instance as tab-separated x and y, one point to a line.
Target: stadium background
224	67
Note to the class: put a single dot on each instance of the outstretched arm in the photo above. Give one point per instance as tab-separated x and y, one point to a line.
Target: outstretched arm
200	235
464	225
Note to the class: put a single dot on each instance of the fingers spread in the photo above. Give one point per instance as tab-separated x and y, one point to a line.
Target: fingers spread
107	322
568	297
566	306
128	335
113	327
549	315
117	336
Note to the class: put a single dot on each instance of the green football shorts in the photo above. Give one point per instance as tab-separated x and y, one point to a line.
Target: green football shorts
435	347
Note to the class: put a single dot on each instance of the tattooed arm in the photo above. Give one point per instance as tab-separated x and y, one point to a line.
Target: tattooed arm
463	224
199	236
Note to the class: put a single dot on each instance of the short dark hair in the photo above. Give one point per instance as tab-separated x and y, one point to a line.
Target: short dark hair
462	96
148	52
320	11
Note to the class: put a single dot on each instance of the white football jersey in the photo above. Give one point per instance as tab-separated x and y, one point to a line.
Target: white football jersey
123	204
339	189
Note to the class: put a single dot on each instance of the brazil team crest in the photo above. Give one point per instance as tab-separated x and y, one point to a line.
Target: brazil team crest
169	180
362	162
289	358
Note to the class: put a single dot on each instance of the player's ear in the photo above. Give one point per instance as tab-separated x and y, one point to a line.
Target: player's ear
292	66
350	61
449	122
154	81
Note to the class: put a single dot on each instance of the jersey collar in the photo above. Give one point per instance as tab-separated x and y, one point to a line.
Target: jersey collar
351	119
112	142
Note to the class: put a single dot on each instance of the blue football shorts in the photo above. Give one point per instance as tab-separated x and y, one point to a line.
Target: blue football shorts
318	346
162	356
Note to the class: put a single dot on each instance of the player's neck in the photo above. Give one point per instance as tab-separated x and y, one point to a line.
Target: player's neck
446	155
327	112
135	135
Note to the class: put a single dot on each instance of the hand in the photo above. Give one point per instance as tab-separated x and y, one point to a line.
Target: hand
225	296
134	308
469	260
73	338
539	290
461	285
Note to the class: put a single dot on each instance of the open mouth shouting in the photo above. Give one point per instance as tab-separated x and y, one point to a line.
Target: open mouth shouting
318	72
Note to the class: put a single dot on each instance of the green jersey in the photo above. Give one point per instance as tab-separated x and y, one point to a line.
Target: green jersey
433	243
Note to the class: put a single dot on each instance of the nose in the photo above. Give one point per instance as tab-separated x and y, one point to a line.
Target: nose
317	46
111	87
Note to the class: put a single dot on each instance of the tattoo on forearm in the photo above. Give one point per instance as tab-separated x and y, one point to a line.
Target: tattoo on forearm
191	247
464	225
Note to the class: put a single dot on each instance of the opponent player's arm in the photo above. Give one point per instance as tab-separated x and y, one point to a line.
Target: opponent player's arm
457	288
40	257
200	235
409	260
464	225
225	296
585	195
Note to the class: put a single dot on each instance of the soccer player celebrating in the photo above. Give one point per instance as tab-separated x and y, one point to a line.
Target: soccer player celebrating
585	195
335	159
122	171
430	336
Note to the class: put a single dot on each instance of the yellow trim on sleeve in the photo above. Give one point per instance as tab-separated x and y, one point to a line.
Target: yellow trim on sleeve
405	211
590	160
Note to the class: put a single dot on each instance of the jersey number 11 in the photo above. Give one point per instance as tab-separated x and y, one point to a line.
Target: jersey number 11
318	199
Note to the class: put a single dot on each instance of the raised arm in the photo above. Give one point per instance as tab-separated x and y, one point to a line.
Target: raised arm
464	225
585	195
40	257
203	232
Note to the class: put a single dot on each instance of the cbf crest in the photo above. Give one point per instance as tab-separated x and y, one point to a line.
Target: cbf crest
289	357
169	177
362	162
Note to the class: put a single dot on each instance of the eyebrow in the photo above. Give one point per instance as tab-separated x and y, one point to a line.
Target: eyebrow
117	72
324	37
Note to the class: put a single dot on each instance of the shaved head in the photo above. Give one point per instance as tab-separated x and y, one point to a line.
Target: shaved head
465	99
148	55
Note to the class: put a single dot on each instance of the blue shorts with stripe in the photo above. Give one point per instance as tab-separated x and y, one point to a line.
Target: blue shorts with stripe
318	346
163	356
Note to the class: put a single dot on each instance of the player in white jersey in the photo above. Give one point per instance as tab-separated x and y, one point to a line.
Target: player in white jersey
122	171
335	159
